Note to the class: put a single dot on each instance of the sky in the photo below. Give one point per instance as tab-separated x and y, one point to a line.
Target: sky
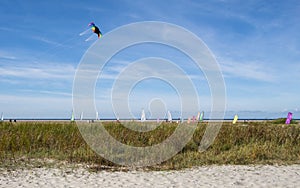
256	44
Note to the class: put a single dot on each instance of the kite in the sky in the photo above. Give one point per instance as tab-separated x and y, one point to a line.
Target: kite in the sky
289	118
95	30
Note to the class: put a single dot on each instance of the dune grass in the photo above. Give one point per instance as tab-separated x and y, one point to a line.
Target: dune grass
243	143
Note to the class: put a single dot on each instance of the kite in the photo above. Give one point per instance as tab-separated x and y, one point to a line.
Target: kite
95	30
289	118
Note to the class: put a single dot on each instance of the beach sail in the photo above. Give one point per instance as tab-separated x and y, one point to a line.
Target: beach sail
289	118
198	116
72	116
194	119
81	116
97	115
236	117
169	116
2	118
201	116
143	116
181	120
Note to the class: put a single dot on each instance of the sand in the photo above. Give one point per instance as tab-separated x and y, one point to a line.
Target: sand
207	176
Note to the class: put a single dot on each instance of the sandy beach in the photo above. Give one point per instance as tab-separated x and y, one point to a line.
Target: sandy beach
207	176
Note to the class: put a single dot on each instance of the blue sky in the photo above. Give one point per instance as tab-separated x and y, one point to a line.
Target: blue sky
256	43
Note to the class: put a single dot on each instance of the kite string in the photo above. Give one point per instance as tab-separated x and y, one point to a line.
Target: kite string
56	46
64	42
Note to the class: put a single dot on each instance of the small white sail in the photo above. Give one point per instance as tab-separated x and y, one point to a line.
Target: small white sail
143	116
169	116
72	116
2	118
97	115
81	116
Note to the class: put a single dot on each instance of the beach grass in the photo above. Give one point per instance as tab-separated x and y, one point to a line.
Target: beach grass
37	143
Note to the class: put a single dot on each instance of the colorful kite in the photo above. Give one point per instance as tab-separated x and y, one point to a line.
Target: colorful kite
289	118
95	29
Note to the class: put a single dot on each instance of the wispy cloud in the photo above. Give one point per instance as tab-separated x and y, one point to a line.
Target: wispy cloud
247	70
62	71
45	40
7	55
10	29
47	92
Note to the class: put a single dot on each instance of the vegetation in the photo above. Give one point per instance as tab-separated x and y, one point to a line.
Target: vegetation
25	143
282	121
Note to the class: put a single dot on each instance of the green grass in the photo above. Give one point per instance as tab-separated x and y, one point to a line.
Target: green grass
256	143
282	121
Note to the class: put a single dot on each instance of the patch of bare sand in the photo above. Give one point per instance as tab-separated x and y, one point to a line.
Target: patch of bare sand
206	176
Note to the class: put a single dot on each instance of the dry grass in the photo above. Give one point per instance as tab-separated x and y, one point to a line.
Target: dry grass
250	143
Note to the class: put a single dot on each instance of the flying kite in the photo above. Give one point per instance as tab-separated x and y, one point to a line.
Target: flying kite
95	30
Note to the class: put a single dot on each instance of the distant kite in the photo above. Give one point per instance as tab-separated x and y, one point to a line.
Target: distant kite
236	117
289	118
95	29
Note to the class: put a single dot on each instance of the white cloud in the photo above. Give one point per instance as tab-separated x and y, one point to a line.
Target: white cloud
247	70
47	92
7	55
46	40
54	71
